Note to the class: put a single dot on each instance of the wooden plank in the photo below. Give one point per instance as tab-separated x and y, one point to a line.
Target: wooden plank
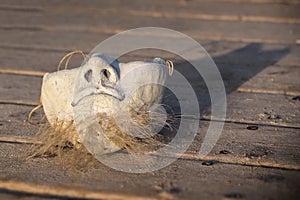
32	189
13	121
263	160
167	15
200	29
248	8
50	41
238	66
76	2
233	54
22	72
270	109
17	139
236	180
204	15
212	30
254	54
59	18
288	2
275	79
33	59
25	88
14	87
43	58
260	78
267	146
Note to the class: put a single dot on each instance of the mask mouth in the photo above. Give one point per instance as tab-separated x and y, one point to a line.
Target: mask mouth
113	91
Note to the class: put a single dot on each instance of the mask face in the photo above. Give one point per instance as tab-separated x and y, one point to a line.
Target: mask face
125	92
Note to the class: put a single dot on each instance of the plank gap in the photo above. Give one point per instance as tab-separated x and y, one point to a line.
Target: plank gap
187	155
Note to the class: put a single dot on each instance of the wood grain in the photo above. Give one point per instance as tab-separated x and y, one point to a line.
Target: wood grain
20	88
44	190
183	179
265	146
255	45
272	109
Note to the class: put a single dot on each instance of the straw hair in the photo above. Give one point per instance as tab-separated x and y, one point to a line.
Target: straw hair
62	139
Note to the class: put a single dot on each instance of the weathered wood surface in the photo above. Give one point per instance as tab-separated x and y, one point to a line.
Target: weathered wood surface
26	88
273	146
213	7
264	108
159	16
13	121
185	178
223	52
205	30
255	45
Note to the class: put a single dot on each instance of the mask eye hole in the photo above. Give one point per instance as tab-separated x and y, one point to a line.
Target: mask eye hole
105	75
88	75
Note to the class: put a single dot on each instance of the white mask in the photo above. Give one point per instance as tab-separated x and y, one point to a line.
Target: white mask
103	85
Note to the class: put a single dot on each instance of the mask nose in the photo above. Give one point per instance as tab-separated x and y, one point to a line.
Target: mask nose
105	83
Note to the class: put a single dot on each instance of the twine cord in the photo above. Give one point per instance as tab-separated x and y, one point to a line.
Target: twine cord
32	111
68	57
170	65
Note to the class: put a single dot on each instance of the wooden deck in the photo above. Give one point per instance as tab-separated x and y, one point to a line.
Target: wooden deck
255	45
